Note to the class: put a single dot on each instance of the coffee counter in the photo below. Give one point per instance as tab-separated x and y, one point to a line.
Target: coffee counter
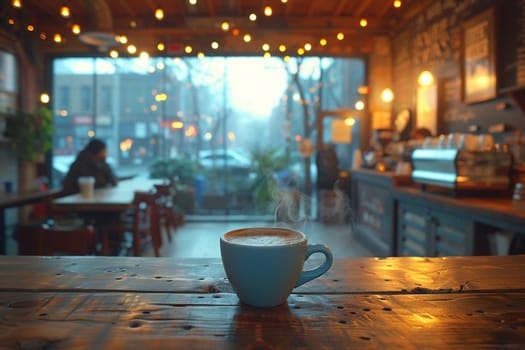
394	217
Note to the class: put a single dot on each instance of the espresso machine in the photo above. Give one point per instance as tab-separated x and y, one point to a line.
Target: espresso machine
462	169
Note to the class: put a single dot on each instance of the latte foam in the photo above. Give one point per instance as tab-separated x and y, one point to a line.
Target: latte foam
263	237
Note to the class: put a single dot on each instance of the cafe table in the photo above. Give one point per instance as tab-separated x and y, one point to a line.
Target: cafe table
18	199
361	303
105	200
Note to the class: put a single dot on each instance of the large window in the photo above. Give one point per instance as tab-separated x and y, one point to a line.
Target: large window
228	117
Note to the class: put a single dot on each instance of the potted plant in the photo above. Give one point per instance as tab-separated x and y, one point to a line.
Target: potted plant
31	133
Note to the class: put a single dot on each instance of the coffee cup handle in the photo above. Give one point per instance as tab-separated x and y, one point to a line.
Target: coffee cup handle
311	274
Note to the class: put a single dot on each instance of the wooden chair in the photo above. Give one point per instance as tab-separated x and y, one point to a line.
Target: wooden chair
142	223
167	213
56	240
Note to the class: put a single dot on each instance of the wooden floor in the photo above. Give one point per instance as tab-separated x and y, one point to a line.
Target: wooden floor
200	238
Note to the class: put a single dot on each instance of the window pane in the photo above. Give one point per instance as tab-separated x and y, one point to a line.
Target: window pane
228	117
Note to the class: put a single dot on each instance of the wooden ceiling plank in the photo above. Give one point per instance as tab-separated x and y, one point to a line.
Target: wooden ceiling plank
340	7
364	5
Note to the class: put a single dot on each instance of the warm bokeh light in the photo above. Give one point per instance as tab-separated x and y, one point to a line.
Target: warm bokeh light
57	38
359	105
161	46
349	121
340	36
308	46
122	39
132	49
397	3
159	14
323	42
188	49
17	3
30	28
192	2
282	48
252	17
247	38
225	26
268	11
214	45
64	12
44	98
266	47
75	29
300	51
113	54
425	78
387	95
363	22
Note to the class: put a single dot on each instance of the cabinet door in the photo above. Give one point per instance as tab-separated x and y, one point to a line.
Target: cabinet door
451	234
412	230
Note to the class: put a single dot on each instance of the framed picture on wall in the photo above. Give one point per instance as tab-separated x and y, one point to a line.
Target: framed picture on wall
479	58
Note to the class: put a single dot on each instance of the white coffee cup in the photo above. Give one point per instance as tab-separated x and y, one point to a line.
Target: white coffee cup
87	186
264	264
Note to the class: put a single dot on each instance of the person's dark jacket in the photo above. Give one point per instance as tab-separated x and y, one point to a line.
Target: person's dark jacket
87	165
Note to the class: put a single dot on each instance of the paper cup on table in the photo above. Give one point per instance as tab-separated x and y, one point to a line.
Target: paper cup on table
87	186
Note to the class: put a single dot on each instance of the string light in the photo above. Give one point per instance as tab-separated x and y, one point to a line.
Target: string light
323	42
159	14
252	17
75	28
247	38
340	36
225	26
192	2
363	22
64	12
188	49
57	38
17	3
214	45
397	3
268	11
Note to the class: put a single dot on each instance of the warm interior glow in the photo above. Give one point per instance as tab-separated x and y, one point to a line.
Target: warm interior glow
252	17
192	2
159	14
359	105
340	36
425	78
349	121
75	28
57	38
247	38
132	49
17	3
161	46
397	3
268	11
363	22
44	98
214	45
387	95
225	26
64	12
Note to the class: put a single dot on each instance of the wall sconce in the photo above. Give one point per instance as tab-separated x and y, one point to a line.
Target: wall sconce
425	78
387	95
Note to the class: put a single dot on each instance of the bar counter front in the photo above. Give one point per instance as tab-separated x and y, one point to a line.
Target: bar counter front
361	303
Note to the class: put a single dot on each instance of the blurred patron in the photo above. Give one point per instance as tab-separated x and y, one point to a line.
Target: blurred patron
91	161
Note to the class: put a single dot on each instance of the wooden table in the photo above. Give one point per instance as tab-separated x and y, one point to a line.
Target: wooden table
365	303
15	199
109	199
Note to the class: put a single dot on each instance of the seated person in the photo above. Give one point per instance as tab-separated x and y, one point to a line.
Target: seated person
91	161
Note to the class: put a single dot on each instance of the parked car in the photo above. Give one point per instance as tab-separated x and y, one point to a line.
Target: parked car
220	159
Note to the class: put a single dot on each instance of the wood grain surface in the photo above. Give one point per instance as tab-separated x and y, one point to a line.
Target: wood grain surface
362	303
